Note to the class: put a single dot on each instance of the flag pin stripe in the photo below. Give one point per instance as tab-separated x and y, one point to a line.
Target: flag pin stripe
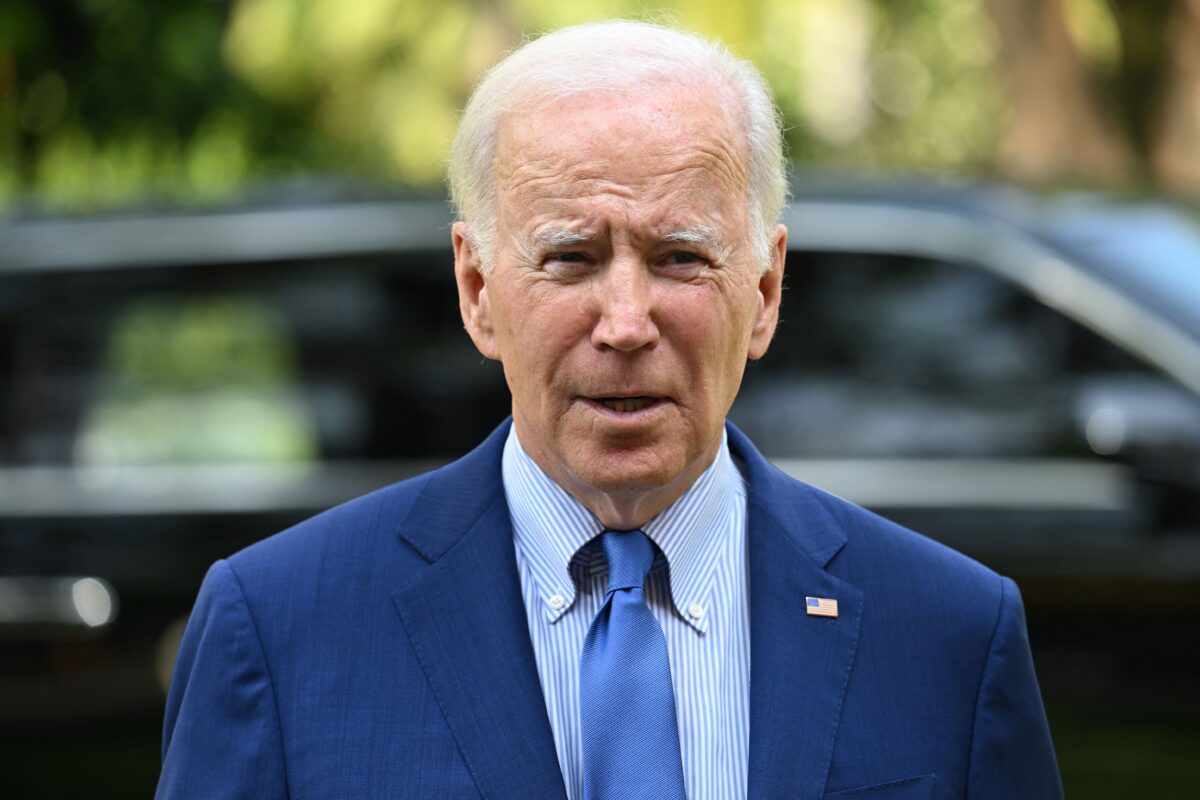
821	606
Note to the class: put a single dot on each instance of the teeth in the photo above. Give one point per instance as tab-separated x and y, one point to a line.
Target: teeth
628	404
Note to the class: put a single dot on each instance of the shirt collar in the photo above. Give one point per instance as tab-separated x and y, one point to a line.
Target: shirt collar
550	527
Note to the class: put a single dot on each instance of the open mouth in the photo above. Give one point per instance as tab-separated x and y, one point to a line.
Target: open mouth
627	405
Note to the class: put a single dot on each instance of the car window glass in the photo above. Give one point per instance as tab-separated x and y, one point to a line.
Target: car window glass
330	359
202	379
891	356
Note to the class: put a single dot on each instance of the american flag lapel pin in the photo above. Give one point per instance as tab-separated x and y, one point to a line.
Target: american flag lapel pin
820	606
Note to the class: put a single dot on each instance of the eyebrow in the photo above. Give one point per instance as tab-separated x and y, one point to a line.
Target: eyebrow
698	235
558	237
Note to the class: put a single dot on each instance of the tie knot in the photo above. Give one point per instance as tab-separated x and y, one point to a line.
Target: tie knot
630	556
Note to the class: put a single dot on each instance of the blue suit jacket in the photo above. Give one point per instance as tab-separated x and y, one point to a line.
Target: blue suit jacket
380	650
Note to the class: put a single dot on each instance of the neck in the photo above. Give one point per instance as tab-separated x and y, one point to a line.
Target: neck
622	509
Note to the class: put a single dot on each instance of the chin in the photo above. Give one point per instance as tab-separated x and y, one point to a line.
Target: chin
629	471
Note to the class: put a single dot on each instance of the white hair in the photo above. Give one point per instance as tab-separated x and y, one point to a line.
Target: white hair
615	55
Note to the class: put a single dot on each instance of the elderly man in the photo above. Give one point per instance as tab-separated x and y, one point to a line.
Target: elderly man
615	595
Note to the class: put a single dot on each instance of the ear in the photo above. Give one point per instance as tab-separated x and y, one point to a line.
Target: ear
770	291
473	302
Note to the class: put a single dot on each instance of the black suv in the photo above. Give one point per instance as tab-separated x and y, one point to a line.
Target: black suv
1016	375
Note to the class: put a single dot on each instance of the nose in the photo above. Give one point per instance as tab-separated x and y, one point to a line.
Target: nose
627	308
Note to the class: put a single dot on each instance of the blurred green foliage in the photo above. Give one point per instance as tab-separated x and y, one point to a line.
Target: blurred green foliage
110	102
104	102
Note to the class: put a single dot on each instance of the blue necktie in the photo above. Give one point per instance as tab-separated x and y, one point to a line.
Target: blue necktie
626	705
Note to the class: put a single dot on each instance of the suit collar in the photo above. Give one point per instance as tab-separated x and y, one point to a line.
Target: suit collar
455	497
799	664
797	511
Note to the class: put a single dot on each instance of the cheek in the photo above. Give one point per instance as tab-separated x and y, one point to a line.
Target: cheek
709	325
513	309
540	333
713	336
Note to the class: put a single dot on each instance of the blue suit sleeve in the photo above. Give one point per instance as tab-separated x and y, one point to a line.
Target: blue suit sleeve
1011	752
221	735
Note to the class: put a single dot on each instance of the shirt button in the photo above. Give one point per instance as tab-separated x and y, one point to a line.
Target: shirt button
695	611
557	601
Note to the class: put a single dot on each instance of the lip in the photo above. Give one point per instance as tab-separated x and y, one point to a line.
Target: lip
595	404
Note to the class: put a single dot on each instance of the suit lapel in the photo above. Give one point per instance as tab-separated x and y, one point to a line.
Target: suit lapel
466	620
799	664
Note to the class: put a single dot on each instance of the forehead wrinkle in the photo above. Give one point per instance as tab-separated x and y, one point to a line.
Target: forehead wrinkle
560	224
570	175
720	137
590	195
727	164
623	184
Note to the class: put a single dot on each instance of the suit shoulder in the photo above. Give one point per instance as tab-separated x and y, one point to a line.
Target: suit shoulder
351	530
380	538
899	562
866	529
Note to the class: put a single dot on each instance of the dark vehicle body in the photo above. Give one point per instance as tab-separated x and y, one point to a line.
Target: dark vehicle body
1015	375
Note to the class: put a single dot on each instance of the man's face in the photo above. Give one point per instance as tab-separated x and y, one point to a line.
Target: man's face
624	295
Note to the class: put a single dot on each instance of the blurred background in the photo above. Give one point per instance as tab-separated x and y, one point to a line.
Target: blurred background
226	302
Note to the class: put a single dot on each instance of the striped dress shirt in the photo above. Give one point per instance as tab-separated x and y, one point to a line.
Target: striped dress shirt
698	593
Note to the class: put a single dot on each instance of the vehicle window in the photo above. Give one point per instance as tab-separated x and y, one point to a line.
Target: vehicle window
202	379
325	359
890	356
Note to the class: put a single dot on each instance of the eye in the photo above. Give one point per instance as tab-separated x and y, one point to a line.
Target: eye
571	257
682	264
569	264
